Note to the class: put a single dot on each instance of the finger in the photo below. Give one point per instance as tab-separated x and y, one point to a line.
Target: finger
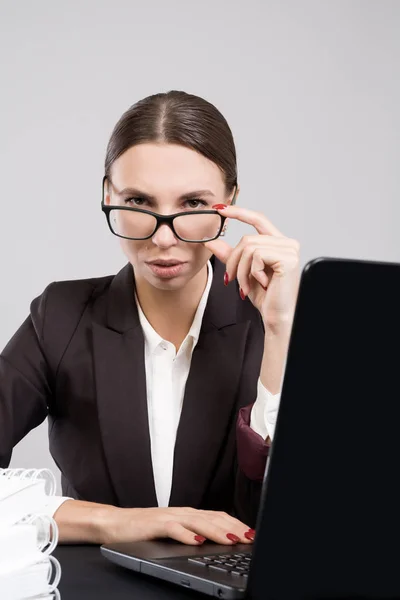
233	520
243	270
257	270
253	241
224	519
221	249
231	523
281	261
235	526
251	217
217	530
178	532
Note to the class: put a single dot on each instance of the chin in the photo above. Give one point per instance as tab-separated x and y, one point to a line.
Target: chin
176	283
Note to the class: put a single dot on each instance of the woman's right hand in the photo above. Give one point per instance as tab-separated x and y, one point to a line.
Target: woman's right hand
186	525
88	522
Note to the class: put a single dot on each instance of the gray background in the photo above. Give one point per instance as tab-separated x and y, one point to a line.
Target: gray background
311	90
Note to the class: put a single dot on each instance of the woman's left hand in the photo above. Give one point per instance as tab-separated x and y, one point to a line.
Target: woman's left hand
266	266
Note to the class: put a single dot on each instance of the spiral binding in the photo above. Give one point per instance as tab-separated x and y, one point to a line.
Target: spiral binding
54	573
33	474
54	595
47	531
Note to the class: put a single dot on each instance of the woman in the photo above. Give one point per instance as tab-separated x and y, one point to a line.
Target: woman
157	381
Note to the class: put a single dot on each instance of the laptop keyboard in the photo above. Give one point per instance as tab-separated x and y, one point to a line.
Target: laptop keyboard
235	564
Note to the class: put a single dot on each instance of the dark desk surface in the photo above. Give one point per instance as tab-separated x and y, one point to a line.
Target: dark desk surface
87	575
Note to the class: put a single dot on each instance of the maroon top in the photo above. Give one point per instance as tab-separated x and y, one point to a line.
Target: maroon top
252	449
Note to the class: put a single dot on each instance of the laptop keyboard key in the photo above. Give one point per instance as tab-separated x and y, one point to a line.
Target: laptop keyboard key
199	561
219	568
237	564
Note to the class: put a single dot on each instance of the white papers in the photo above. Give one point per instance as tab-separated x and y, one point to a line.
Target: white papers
27	537
17	498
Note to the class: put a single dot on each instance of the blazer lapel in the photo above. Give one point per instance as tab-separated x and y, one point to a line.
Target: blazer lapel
209	404
121	395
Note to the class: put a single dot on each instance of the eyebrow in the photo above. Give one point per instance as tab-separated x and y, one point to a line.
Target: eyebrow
130	191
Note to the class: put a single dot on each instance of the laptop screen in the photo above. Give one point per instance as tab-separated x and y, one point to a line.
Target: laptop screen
329	521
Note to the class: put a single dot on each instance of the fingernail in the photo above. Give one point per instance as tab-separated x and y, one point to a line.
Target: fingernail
249	536
232	537
226	278
253	531
243	297
219	206
200	539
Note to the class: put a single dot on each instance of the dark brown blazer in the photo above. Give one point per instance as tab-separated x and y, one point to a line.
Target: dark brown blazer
78	359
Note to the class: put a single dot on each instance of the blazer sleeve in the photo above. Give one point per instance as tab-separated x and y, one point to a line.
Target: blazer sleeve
24	381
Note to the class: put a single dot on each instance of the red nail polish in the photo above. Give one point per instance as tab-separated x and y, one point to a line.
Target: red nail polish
232	537
219	206
253	531
200	539
243	297
226	278
249	536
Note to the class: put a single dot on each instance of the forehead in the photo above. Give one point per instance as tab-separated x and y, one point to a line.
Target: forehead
166	167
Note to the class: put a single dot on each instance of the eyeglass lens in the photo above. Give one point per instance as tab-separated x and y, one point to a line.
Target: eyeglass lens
190	227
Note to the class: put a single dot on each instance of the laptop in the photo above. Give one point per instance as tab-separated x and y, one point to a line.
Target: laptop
329	517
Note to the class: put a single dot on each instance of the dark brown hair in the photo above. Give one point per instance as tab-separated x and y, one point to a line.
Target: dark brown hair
176	117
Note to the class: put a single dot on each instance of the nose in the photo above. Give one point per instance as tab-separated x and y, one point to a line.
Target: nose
164	237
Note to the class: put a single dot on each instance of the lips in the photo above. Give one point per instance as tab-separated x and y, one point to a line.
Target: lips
167	269
165	263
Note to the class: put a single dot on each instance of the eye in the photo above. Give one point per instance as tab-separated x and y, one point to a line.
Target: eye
196	203
135	201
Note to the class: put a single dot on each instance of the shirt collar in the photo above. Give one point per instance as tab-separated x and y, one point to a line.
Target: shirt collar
153	339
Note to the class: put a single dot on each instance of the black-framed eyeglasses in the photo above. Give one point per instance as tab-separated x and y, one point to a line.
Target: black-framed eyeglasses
139	224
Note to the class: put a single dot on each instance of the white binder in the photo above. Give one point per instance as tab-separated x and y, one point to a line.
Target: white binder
27	536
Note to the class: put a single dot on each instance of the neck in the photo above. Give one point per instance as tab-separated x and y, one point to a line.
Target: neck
171	312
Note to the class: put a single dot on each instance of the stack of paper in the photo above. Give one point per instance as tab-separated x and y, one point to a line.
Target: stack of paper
27	536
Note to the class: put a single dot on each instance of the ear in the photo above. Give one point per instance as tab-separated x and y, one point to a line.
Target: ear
234	198
106	190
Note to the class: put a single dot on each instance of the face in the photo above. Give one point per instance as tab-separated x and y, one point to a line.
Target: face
165	179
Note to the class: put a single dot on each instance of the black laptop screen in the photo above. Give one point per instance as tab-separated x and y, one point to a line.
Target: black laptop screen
330	524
